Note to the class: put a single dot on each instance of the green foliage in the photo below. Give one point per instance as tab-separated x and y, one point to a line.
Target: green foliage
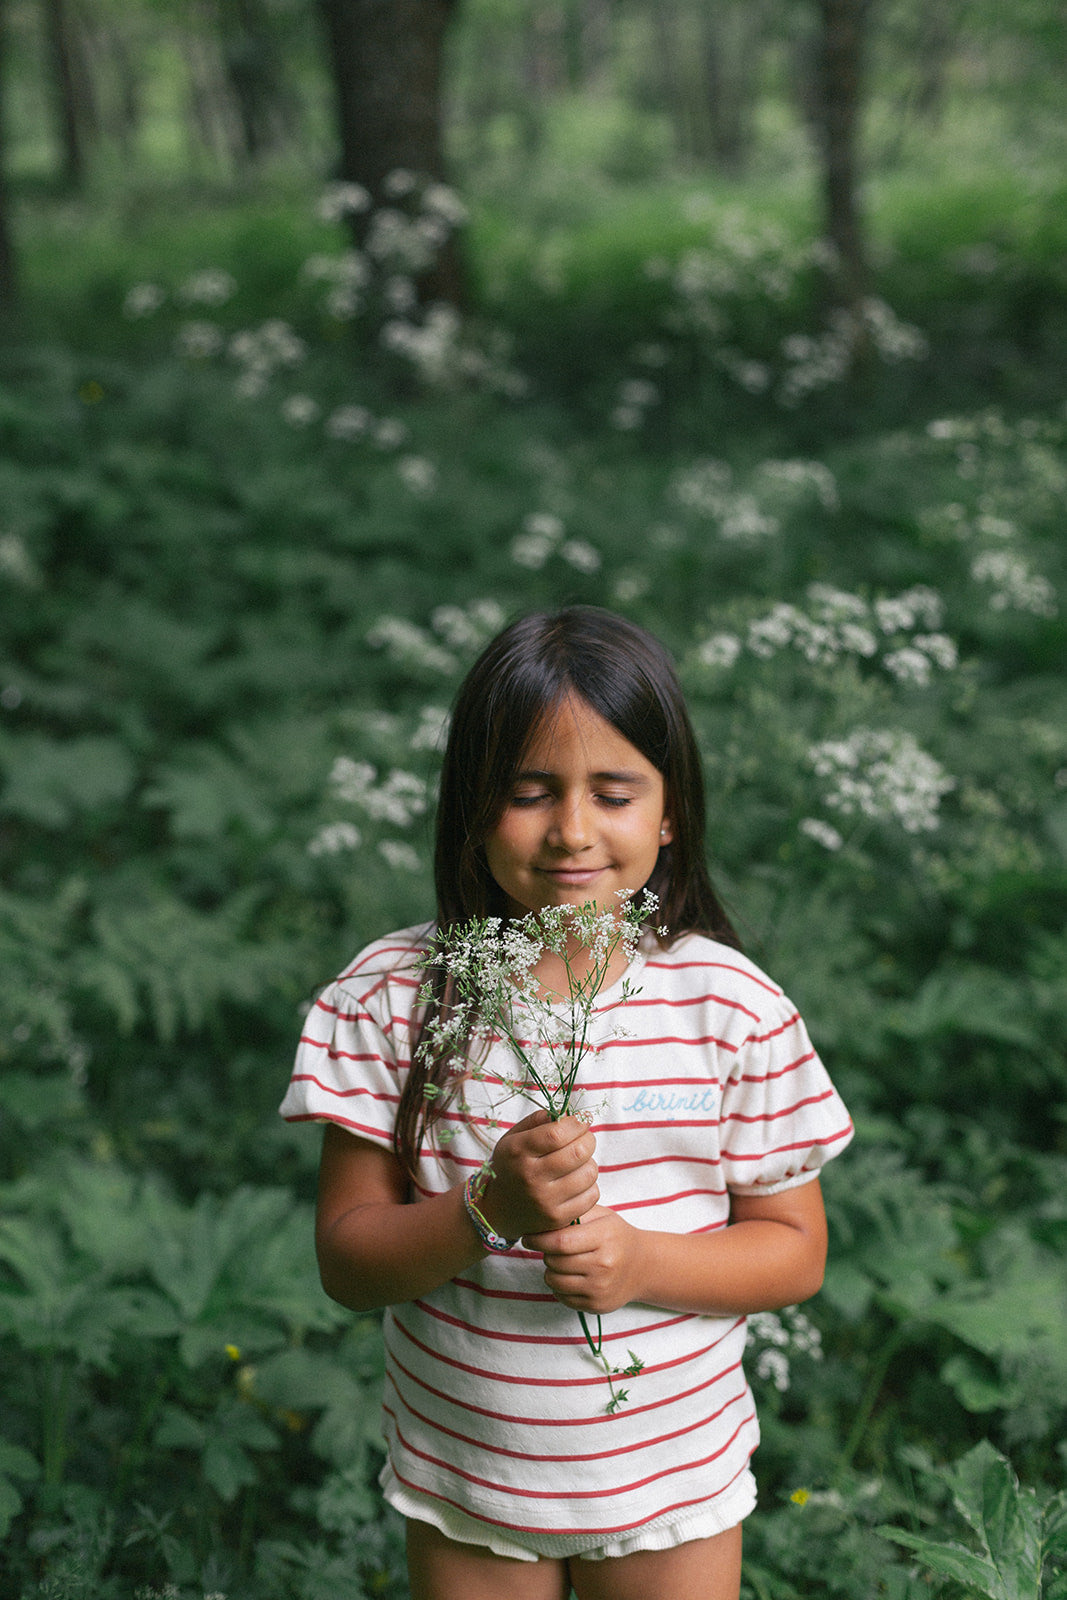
237	600
1022	1543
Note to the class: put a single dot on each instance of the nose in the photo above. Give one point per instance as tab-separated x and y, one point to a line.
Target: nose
570	829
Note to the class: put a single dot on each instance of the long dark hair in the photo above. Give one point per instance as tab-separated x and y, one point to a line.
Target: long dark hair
520	678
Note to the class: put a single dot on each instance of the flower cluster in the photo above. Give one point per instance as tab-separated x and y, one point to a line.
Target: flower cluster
776	1334
455	632
901	632
754	511
882	774
498	996
1013	583
543	536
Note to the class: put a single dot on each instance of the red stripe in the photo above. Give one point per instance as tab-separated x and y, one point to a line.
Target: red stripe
716	966
775	1116
664	1199
345	1094
509	1337
655	1161
554	1382
762	1038
779	1072
784	1149
627	1527
375	951
596	1455
571	1494
556	1421
696	1000
374	1134
667	1038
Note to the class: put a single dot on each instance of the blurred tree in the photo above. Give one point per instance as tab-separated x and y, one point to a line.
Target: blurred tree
7	254
261	90
733	37
386	62
71	96
838	104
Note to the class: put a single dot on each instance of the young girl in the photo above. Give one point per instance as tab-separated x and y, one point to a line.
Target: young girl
571	775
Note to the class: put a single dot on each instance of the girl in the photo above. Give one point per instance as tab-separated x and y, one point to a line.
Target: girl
571	775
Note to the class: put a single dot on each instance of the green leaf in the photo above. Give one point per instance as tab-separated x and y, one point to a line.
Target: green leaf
50	781
949	1561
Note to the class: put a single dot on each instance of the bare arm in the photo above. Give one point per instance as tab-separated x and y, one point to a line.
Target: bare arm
772	1253
376	1249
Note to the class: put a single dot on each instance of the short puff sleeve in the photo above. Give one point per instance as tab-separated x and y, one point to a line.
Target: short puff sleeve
355	1048
782	1118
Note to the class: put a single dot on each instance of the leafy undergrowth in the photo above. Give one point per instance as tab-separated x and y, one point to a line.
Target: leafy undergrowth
243	573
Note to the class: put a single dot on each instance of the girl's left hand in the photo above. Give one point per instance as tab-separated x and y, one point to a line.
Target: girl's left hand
594	1265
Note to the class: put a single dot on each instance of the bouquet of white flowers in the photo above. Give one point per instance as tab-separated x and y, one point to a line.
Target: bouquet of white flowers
497	995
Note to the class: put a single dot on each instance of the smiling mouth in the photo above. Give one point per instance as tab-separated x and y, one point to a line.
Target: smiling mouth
571	874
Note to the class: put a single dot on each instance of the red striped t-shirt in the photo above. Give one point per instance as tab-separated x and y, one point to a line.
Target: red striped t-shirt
702	1084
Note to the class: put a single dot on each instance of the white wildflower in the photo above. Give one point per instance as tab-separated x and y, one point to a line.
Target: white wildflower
400	294
638	392
772	1366
630	585
209	287
445	203
941	650
300	410
1014	584
432	728
900	612
334	838
16	562
882	774
418	474
909	666
339	200
468	627
581	555
348	422
742	520
10	697
399	182
389	434
821	832
142	300
401	856
411	646
721	650
627	418
199	341
398	798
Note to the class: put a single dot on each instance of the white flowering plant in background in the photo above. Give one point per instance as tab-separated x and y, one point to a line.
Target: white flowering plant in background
497	995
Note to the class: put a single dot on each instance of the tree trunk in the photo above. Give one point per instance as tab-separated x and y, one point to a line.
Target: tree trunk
386	61
256	76
8	294
839	101
66	91
732	42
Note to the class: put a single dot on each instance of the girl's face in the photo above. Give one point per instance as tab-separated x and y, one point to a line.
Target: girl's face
585	818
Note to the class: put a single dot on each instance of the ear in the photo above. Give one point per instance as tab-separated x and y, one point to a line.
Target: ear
666	832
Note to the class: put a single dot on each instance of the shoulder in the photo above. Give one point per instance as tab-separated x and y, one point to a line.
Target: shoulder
386	965
696	964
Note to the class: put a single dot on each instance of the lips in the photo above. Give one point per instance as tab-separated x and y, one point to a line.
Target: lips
575	877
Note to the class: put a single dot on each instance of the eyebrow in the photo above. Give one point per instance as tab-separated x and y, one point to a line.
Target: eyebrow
636	780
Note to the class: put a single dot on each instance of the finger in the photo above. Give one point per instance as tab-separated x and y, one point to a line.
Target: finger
535	1119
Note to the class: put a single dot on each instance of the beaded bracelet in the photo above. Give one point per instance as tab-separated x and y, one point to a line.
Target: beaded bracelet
472	1191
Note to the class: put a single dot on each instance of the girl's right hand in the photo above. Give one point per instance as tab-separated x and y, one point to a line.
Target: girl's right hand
544	1176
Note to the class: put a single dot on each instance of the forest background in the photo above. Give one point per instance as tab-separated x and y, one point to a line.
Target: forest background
334	335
